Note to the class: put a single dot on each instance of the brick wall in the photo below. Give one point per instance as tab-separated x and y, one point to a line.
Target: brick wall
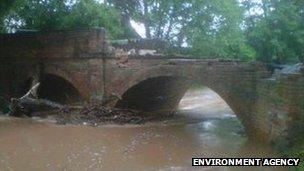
57	44
280	107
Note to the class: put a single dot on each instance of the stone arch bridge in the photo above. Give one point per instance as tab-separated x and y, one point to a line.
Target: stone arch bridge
77	63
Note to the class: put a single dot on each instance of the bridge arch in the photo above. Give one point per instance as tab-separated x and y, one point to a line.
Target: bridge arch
155	94
169	86
58	89
171	79
166	77
79	85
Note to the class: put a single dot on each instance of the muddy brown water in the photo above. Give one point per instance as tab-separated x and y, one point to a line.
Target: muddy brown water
204	127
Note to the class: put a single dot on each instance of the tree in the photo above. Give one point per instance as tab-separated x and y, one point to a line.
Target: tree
215	31
277	34
5	5
59	14
88	14
266	30
207	28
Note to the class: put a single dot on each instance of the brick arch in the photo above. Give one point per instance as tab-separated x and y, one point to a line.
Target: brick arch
220	86
143	75
155	94
58	89
59	72
163	71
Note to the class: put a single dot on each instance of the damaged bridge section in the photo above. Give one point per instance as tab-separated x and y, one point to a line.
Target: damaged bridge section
77	66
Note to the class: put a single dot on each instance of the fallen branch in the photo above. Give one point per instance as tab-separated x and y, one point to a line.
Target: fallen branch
92	114
28	103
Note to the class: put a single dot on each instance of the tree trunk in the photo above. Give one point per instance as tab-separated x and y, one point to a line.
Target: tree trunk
146	20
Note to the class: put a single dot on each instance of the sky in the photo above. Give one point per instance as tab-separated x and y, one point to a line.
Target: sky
139	28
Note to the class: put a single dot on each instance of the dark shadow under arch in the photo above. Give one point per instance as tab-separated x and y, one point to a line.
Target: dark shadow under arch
155	94
58	89
164	93
25	87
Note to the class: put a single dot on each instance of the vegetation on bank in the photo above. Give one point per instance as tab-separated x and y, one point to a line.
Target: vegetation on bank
298	148
298	152
271	31
295	147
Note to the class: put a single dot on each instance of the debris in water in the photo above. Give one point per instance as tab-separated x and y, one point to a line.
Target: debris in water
96	114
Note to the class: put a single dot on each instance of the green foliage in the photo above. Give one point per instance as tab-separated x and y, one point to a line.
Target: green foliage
4	8
271	31
215	31
297	152
207	28
89	14
278	34
58	14
295	147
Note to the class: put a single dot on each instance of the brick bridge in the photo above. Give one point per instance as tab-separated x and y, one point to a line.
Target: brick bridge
77	65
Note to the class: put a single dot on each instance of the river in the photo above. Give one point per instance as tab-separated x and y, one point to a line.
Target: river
205	126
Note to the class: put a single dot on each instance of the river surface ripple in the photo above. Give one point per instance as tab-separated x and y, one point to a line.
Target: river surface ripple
204	127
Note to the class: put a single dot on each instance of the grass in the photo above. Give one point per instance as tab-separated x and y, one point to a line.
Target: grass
297	152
